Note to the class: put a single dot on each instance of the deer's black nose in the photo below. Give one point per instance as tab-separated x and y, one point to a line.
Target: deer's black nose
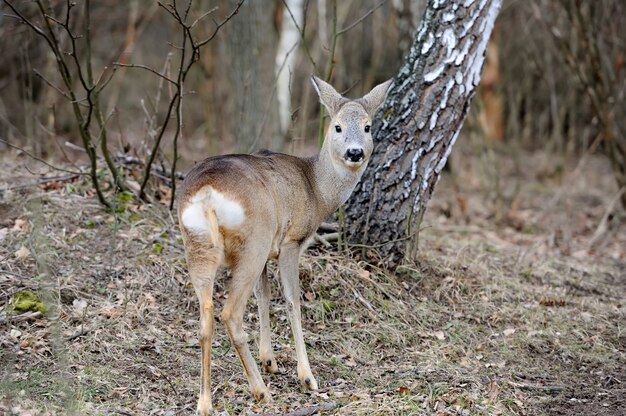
354	154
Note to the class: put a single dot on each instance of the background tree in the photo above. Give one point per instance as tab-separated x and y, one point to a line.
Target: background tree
252	43
418	125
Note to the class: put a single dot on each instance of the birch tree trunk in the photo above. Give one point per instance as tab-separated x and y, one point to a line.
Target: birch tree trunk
293	18
418	125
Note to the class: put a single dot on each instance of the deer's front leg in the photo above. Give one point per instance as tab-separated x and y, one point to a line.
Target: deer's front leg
288	268
263	294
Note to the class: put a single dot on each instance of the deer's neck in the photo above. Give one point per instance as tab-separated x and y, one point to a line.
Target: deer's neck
335	182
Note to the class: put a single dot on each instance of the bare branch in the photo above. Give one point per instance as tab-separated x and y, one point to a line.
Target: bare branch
219	25
203	15
147	68
49	34
50	84
32	156
186	10
156	146
101	85
30	24
365	16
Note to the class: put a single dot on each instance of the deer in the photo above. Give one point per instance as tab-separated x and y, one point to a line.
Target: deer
239	211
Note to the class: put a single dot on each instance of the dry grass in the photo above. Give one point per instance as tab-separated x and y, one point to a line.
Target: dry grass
506	312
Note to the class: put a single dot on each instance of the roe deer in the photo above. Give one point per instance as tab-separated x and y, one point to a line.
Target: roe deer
241	210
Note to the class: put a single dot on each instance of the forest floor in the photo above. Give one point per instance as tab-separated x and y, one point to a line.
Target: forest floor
513	307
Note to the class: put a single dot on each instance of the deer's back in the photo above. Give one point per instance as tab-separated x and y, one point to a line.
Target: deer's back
265	192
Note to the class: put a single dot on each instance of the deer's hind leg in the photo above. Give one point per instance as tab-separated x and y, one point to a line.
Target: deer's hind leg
246	269
263	294
203	261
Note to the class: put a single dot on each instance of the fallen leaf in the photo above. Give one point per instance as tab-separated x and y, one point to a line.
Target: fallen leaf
494	391
20	224
111	311
350	362
79	306
439	335
508	332
23	253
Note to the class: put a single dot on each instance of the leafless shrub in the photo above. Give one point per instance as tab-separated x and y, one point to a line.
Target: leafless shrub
69	40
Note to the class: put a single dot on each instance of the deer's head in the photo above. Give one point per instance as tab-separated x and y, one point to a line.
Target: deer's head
349	137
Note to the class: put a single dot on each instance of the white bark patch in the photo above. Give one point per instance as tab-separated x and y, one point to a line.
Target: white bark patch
434	74
229	212
449	40
461	56
428	44
473	75
458	77
446	94
433	120
443	160
469	24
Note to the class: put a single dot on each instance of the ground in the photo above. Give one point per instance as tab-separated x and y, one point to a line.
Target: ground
515	306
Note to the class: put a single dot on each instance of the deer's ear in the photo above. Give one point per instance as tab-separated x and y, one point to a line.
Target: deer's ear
331	99
375	97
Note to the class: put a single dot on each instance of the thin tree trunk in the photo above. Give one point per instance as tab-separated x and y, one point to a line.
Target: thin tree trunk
418	125
293	17
251	38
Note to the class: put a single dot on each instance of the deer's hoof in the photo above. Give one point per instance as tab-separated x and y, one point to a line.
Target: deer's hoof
270	365
205	407
309	382
262	395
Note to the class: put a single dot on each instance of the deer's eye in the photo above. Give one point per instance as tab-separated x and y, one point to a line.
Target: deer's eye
338	128
367	128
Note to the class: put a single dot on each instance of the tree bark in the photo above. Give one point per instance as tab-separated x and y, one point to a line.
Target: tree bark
292	21
252	42
418	125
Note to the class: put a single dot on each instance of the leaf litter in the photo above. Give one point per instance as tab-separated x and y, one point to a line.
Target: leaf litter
518	318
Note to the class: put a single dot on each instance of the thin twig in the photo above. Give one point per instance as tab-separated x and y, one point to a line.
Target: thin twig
301	32
362	18
41	160
147	68
51	85
305	411
327	226
605	223
202	16
26	316
219	25
65	178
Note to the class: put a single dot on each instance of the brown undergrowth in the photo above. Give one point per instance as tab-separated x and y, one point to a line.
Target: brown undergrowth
509	310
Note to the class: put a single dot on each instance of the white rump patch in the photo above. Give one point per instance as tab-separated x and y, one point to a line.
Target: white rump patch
229	212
